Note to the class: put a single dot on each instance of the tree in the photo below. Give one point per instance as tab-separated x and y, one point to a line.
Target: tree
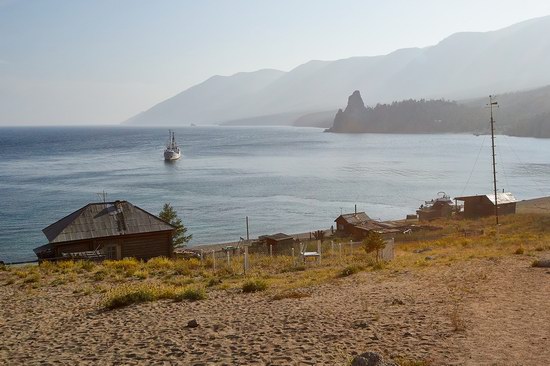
319	235
374	243
170	215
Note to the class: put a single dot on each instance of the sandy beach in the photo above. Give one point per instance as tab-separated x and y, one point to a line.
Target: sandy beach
500	307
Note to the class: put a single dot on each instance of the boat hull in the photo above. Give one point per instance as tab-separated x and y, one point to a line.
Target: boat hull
171	155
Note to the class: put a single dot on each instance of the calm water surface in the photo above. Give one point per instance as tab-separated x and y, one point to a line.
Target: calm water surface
285	179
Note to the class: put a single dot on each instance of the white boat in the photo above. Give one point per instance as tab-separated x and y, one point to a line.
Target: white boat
172	151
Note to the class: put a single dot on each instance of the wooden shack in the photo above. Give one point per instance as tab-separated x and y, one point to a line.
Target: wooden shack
346	223
280	242
484	205
112	230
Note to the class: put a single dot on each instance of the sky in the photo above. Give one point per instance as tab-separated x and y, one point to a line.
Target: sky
77	62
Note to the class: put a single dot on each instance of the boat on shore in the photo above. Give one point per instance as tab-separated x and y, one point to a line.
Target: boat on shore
172	151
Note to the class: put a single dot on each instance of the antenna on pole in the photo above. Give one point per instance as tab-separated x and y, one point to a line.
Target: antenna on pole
102	196
494	103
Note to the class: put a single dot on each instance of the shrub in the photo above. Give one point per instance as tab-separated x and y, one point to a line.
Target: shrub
181	267
141	274
213	281
32	277
100	275
160	263
58	281
191	294
134	294
519	250
349	270
88	266
128	265
254	285
374	243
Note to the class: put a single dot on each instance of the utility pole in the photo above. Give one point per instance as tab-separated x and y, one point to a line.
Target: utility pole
492	103
247	236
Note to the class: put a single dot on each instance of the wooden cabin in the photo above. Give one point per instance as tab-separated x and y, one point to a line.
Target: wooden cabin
280	242
484	205
110	230
346	223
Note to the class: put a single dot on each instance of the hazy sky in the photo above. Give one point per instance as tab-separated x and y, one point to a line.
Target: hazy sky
92	62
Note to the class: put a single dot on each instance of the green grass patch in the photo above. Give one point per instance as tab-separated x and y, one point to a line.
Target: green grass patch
254	285
191	294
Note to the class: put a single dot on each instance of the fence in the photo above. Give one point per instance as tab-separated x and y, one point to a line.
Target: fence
297	253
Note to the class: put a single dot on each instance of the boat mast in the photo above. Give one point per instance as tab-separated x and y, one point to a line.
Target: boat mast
492	103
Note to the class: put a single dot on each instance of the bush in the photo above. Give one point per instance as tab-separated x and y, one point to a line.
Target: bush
254	285
66	266
32	277
141	274
374	243
519	250
100	275
128	265
213	281
349	270
160	263
88	266
134	294
191	294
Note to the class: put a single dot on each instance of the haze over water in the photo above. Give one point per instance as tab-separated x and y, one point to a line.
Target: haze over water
285	179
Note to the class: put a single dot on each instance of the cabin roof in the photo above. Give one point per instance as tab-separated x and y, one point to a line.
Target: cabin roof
354	218
96	220
502	197
276	237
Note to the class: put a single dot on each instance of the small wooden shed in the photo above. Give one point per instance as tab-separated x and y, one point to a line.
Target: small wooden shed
484	205
113	230
346	223
280	242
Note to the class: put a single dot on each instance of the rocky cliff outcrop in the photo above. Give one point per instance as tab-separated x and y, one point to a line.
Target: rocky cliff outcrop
354	118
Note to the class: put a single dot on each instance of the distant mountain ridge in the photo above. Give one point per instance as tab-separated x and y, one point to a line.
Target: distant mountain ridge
460	66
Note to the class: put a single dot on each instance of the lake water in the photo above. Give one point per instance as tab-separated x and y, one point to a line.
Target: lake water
285	179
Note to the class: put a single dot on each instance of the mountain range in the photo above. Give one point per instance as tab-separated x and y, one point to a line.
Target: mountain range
463	65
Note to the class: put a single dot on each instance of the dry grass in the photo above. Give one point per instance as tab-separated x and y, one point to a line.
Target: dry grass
284	276
129	294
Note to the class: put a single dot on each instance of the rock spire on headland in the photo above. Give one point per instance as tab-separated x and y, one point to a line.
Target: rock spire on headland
353	118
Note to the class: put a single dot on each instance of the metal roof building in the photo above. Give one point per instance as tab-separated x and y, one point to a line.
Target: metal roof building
484	205
118	228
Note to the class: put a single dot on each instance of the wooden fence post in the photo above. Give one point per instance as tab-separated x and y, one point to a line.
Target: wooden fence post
245	261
